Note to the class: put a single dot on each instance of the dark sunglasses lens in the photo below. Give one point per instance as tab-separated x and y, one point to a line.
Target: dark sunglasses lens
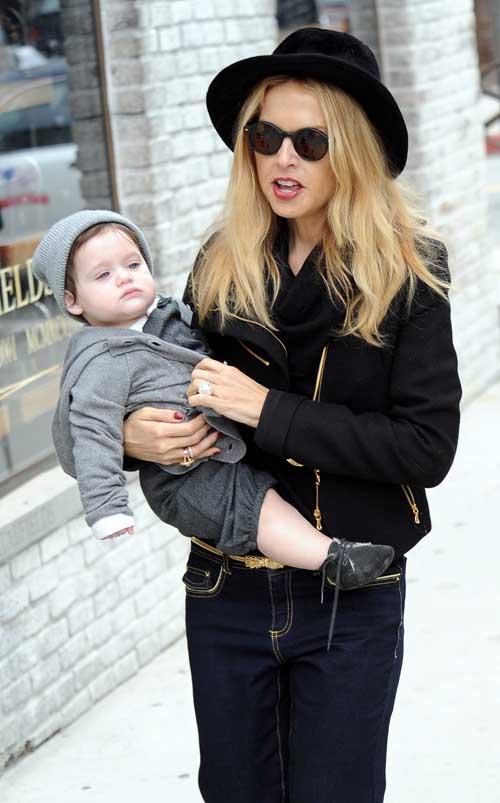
310	144
264	138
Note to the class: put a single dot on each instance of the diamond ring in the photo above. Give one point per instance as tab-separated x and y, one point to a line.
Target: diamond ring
206	388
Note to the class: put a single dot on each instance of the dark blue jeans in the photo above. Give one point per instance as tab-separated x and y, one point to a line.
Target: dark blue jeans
280	719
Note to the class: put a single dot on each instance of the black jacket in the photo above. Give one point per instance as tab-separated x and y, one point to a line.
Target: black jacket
385	427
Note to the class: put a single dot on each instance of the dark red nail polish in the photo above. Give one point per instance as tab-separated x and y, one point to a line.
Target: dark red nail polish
178	415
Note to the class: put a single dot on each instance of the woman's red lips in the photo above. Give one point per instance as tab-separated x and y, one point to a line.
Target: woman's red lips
286	189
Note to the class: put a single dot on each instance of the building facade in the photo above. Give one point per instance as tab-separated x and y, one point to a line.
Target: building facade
103	105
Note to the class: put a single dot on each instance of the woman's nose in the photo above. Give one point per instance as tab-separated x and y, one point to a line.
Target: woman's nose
287	154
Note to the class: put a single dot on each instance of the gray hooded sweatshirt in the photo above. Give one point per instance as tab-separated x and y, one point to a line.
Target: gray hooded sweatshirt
108	373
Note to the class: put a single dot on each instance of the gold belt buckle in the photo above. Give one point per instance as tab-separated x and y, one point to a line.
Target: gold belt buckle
257	562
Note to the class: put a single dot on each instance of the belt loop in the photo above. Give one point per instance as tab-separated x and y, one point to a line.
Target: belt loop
225	564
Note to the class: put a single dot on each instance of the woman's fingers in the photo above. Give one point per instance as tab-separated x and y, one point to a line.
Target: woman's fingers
156	435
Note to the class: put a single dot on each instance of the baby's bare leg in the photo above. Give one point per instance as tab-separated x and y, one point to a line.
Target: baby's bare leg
286	536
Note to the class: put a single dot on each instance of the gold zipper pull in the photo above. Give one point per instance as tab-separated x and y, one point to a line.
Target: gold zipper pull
317	511
416	513
411	501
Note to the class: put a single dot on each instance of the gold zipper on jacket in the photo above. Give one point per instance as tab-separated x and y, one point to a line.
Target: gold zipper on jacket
317	473
411	501
257	357
256	323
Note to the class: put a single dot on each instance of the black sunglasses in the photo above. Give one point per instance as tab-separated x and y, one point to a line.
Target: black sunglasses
266	138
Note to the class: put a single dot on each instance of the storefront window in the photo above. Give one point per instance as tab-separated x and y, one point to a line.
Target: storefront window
39	183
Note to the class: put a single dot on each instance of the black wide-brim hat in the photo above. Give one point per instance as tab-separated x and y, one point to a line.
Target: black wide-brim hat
329	56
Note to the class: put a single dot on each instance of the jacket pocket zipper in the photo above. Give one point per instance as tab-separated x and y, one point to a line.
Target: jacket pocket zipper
260	359
411	501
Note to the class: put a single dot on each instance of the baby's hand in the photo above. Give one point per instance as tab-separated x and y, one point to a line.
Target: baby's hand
127	530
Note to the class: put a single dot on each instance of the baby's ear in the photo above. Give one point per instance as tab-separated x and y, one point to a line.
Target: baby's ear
70	303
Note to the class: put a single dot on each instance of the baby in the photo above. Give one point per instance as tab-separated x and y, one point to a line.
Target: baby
137	349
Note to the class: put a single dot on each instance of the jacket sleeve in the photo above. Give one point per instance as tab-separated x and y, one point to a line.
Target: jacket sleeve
96	415
413	442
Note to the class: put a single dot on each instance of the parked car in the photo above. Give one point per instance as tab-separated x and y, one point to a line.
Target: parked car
39	181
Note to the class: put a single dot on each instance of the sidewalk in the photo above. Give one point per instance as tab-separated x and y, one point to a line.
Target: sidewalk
139	744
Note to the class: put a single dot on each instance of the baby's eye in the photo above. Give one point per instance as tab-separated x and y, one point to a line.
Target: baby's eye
134	265
103	275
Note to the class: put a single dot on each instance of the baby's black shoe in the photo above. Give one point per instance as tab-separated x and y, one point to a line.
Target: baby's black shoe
349	565
352	564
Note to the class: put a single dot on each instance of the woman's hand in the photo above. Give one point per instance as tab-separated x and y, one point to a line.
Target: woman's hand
156	435
235	395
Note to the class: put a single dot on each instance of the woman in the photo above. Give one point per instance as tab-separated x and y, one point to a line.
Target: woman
325	302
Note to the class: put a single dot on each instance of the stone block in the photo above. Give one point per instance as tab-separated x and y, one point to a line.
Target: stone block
42	581
52	638
10	736
106	599
52	545
233	31
126	667
93	550
123	615
223	8
128	101
16	694
188	62
155	565
99	631
45	672
44	731
70	562
148	648
74	649
12	602
103	684
76	706
80	616
63	597
169	39
131	580
26	562
160	14
128	46
86	671
191	35
122	17
5	578
126	73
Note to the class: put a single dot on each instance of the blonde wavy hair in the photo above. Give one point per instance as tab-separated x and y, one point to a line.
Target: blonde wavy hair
375	240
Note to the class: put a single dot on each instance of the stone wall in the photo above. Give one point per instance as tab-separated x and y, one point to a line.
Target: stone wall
429	57
78	617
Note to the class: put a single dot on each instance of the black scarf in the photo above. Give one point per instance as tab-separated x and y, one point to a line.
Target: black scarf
303	314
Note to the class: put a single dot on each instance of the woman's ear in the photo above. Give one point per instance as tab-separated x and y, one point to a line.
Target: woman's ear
70	303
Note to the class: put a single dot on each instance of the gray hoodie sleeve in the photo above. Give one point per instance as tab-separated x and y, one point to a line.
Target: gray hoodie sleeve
97	409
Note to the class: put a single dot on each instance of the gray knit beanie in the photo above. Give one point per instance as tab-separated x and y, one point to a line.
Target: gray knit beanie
50	260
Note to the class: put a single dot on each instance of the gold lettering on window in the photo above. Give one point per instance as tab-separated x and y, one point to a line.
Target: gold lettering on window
8	351
48	332
18	287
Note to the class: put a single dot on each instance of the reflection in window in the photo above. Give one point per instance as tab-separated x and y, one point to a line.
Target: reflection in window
39	183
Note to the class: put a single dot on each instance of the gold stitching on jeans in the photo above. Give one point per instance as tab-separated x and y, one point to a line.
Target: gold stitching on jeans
289	608
274	641
278	734
193	591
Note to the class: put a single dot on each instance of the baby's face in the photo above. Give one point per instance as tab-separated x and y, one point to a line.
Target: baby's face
113	284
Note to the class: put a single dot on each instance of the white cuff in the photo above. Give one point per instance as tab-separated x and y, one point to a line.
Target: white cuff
111	524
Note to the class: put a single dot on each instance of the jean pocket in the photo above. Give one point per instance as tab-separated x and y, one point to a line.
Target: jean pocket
204	576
